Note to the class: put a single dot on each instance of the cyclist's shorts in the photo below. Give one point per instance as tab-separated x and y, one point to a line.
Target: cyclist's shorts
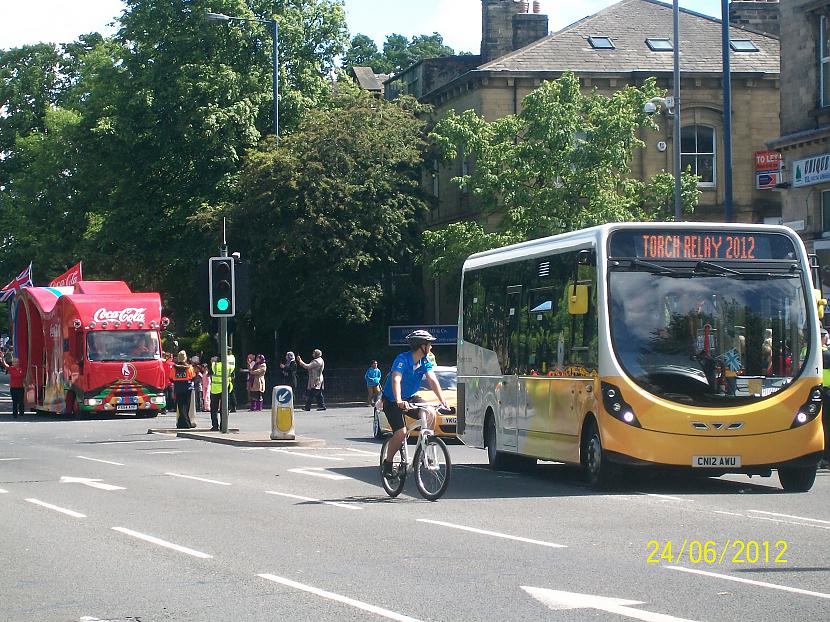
394	415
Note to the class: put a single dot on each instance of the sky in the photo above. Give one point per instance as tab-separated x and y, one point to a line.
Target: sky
458	21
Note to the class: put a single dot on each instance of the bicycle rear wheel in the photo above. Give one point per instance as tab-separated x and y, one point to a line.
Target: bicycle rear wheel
432	468
393	485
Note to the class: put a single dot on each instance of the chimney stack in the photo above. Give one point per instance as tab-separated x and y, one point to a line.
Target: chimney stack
537	7
758	15
506	25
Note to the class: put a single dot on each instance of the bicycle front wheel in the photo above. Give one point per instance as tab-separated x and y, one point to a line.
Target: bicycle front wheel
393	484
432	468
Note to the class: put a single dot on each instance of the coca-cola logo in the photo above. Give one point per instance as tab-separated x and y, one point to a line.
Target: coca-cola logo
130	314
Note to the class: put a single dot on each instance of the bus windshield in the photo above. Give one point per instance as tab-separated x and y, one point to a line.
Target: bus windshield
708	333
122	345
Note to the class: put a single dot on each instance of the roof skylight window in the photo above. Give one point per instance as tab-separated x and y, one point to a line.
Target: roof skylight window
659	45
601	43
743	45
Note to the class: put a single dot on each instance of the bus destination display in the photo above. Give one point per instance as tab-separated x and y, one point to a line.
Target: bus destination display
701	245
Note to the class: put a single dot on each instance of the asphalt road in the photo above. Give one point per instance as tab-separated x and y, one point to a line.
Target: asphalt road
101	521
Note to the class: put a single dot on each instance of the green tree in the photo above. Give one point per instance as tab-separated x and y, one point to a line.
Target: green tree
401	52
562	163
329	214
363	52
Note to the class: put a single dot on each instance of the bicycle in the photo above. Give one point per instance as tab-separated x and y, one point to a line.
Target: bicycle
431	463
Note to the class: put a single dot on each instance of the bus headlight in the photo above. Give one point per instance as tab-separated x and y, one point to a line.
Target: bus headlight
93	401
616	406
157	399
809	410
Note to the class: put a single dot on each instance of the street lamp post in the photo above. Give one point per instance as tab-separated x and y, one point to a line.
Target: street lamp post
727	113
275	34
672	107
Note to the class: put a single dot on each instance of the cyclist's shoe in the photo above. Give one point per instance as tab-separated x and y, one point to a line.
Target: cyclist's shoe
388	470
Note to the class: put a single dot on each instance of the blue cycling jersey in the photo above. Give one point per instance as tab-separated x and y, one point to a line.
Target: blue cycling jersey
411	375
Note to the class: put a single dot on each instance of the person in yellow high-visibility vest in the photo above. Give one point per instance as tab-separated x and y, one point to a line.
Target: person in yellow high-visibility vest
216	387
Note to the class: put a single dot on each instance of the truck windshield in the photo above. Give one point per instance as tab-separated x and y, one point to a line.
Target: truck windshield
709	334
122	345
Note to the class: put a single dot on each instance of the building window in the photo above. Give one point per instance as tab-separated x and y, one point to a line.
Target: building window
601	43
659	45
824	61
742	45
697	151
825	212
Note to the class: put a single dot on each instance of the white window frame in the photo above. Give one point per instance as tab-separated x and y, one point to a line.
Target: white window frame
714	154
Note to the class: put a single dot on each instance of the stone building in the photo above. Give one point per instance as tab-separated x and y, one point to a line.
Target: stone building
621	45
804	142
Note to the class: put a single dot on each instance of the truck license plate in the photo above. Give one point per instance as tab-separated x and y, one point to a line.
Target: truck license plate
126	407
716	462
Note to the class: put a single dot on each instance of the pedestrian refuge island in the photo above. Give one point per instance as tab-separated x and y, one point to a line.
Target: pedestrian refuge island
282	413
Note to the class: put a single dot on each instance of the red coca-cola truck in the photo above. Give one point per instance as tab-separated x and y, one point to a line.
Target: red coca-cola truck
94	347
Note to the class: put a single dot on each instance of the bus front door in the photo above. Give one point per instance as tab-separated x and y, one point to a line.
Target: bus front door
509	393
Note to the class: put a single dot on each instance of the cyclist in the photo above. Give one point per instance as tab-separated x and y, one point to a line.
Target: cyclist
408	369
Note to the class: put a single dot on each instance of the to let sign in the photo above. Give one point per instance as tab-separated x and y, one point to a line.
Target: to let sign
766	161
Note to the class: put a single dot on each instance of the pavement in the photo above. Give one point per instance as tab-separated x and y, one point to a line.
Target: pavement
258	438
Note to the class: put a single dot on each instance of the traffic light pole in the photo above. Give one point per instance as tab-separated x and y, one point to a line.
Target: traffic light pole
223	353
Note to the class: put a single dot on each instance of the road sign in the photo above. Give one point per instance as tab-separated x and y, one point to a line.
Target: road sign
767	180
445	334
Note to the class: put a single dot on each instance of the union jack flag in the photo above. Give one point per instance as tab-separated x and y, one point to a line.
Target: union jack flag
24	279
732	360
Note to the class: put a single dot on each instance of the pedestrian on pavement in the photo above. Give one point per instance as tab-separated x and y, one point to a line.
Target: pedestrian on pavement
216	388
288	369
16	375
372	377
250	360
197	382
315	379
182	379
205	379
257	378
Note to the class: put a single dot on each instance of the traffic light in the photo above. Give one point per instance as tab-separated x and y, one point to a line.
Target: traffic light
221	287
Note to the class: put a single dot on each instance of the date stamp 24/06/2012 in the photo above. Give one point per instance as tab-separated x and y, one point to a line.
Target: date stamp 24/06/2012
712	553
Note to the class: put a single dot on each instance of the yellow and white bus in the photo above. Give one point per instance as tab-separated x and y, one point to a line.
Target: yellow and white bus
690	345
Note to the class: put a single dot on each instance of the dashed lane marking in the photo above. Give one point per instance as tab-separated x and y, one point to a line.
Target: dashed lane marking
164	543
814	520
9	459
318	472
492	533
199	479
386	613
99	460
298	453
347	506
57	508
3	491
669	497
773	586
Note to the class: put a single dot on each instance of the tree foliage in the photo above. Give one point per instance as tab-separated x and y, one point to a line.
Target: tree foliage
398	52
562	163
332	211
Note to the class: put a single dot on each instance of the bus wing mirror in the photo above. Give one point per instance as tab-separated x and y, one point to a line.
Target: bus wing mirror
821	303
577	299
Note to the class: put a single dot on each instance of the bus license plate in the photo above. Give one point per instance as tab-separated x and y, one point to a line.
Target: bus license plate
450	420
126	407
716	462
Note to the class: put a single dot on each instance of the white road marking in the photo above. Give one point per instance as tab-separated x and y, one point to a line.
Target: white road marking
9	459
318	472
727	513
492	533
788	522
3	491
164	543
297	453
174	451
148	440
72	513
348	506
342	599
361	451
559	601
88	481
773	586
652	494
199	479
815	520
97	460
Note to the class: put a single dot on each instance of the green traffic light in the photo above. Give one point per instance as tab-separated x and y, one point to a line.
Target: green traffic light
222	304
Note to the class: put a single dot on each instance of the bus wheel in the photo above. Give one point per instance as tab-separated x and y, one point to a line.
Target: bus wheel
601	473
797	479
495	458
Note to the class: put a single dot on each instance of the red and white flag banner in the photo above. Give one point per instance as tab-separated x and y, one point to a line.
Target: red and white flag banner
68	278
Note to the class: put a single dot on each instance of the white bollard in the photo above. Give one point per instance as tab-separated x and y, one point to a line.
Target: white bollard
282	413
